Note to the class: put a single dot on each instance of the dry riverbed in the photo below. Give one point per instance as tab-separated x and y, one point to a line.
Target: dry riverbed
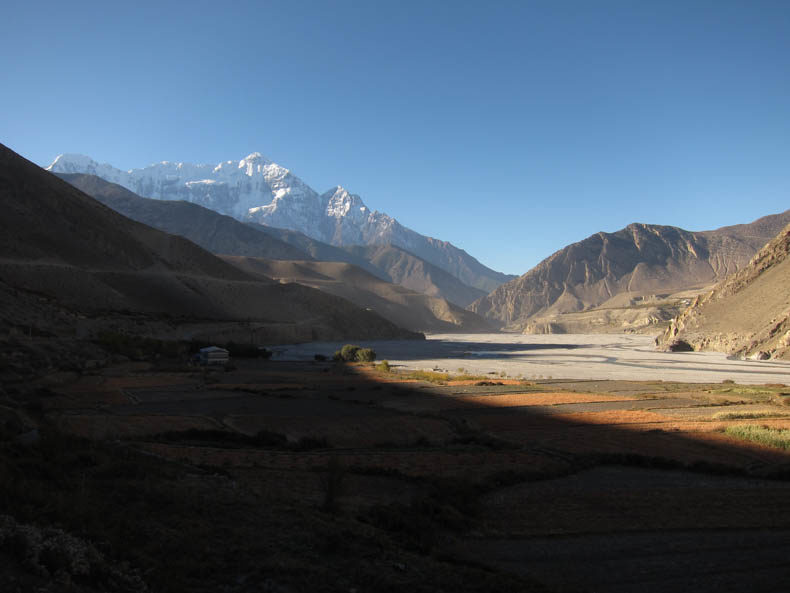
566	356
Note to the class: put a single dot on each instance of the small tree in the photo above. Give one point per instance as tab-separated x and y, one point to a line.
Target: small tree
351	353
347	353
366	355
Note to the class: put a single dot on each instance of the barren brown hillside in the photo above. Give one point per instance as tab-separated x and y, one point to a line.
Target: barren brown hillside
404	307
746	314
224	235
640	262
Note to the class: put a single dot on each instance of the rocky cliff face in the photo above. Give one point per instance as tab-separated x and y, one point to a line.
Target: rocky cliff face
747	314
256	189
613	270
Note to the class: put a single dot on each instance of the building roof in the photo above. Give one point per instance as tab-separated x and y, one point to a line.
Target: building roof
210	349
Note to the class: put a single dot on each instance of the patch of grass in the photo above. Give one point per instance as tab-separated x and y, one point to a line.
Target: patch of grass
384	367
440	377
752	392
430	376
748	415
772	437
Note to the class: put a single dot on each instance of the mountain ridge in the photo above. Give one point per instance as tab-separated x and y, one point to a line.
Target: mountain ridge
256	189
224	235
406	308
610	269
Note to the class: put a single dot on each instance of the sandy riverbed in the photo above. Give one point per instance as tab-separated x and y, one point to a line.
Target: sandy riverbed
566	356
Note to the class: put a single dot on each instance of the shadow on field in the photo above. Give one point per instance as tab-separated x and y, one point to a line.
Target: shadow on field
327	477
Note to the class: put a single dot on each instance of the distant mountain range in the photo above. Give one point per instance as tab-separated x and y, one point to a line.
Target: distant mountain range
343	271
578	287
224	235
636	279
90	267
255	189
746	314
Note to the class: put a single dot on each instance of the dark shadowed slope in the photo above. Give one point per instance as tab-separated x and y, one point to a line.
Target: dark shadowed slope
406	269
404	307
225	235
748	313
318	250
60	243
610	269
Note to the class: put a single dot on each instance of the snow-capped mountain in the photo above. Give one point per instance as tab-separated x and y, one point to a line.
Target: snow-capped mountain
231	187
256	189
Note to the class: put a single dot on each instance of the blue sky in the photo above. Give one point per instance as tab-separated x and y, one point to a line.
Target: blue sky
508	128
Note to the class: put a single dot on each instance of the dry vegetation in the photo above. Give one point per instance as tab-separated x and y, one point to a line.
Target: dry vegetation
765	435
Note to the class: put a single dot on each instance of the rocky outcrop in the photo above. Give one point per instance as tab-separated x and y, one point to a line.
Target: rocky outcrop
747	314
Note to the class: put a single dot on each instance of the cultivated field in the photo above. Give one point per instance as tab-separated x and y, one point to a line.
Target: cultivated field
461	484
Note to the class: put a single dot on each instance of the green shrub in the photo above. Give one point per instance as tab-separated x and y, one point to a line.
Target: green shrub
366	355
384	367
352	353
347	353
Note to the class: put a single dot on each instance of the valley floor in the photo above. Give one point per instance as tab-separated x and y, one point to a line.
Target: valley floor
314	476
568	356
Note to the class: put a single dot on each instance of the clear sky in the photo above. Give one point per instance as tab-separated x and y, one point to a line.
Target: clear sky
508	128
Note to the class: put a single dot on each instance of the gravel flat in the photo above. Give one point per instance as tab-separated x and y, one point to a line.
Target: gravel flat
565	356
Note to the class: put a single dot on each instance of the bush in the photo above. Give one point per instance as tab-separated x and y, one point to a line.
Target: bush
347	353
352	353
366	355
384	367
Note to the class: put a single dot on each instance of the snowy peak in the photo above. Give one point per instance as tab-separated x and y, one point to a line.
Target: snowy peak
340	203
258	190
254	163
73	163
